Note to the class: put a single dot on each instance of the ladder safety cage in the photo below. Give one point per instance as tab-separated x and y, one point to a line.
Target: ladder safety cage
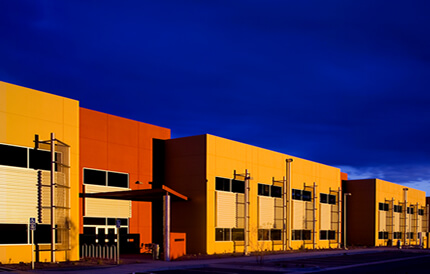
54	194
310	213
245	177
390	220
335	220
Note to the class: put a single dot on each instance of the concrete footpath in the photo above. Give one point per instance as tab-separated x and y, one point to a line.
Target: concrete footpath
151	266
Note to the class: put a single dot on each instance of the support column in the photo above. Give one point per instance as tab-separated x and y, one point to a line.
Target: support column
166	207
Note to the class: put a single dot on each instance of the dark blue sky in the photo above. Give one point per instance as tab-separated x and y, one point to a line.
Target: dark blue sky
345	83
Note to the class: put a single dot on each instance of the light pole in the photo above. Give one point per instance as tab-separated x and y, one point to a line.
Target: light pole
344	219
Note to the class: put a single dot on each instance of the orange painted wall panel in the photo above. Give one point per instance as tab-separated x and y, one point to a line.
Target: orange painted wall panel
114	143
177	245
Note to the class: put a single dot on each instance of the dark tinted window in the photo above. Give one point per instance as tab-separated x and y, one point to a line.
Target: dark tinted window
118	179
297	194
40	159
307	195
263	190
398	208
219	234
94	177
263	234
383	206
332	235
306	234
323	235
13	156
276	234
238	234
323	199
16	234
238	186
332	199
276	191
222	184
42	234
94	221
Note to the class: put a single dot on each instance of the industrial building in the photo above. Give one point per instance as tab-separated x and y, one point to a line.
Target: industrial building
244	198
85	178
380	213
34	127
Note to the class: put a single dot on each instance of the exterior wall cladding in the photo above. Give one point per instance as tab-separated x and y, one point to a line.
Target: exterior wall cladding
241	197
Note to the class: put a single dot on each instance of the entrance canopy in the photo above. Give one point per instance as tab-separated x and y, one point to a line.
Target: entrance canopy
143	195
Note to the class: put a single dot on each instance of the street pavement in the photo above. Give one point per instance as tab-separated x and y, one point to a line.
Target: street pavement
305	262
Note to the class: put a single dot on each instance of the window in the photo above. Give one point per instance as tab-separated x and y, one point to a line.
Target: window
26	157
222	184
118	179
94	177
276	191
410	210
327	235
327	199
323	198
302	195
398	208
40	159
301	235
276	234
13	156
397	235
16	234
332	199
306	195
263	190
270	190
269	234
409	235
229	234
238	234
238	186
264	234
383	206
421	212
225	184
297	194
105	178
383	235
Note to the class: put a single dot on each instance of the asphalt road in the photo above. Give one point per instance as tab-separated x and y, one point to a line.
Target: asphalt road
382	262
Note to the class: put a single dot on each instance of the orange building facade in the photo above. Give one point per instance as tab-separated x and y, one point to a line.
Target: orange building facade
116	155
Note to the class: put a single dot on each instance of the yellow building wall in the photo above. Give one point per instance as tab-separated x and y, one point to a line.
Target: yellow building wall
224	156
25	112
386	191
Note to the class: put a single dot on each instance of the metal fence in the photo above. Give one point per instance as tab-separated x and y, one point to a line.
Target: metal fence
99	251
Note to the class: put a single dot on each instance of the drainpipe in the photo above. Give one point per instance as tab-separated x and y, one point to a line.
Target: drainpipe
405	214
314	216
52	183
284	212
287	202
247	177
